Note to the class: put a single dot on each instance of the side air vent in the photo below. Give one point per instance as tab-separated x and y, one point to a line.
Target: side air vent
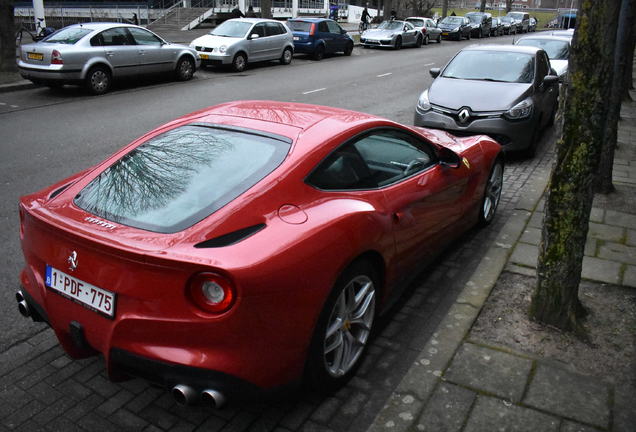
230	238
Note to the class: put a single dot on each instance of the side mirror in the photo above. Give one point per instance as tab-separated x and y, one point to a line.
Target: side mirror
434	72
449	158
254	36
550	80
343	31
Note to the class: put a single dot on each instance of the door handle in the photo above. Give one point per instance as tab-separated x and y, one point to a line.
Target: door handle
142	52
109	53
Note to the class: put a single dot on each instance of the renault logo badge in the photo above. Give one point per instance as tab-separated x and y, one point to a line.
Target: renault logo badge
464	115
72	261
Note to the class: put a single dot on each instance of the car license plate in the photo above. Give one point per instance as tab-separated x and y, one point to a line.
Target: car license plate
296	38
204	56
444	34
372	41
35	56
89	296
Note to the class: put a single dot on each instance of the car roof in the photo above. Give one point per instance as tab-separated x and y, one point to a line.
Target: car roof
563	38
294	114
310	19
253	20
504	48
101	25
416	17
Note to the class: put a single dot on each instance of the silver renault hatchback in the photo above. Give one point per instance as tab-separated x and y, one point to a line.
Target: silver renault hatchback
93	54
241	40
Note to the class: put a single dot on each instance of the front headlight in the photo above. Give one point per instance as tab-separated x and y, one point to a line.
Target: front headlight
222	49
423	104
520	111
456	29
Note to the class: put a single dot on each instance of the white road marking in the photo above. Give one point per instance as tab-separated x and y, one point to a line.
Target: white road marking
386	74
314	91
429	64
2	103
13	106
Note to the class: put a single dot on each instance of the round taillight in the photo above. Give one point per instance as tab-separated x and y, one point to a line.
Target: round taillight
56	57
211	292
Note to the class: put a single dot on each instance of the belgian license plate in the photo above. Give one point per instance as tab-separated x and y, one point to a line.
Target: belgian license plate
296	38
35	56
92	297
444	34
204	56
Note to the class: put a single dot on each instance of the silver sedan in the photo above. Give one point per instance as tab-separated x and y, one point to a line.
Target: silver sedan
394	34
94	54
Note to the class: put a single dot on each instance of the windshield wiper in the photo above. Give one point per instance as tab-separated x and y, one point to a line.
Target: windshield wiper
491	79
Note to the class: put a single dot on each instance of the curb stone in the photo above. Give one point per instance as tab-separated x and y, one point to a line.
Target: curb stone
403	408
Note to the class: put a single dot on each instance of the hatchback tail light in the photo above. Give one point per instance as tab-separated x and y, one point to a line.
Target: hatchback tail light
312	30
56	57
211	292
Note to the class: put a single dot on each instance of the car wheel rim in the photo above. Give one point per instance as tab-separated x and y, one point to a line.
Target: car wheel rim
287	55
99	80
239	63
185	69
349	326
493	192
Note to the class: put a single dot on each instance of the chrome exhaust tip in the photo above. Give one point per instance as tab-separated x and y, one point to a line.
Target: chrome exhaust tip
213	398
23	306
183	394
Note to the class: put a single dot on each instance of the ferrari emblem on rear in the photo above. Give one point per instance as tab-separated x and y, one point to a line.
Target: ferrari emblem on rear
72	261
465	161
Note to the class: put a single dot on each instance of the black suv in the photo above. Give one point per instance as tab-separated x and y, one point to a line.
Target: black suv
480	23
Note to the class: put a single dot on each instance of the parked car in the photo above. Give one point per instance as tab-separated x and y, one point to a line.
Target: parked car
455	27
509	25
392	33
460	98
94	54
532	24
240	41
427	26
209	257
319	36
480	23
563	33
496	28
522	20
557	48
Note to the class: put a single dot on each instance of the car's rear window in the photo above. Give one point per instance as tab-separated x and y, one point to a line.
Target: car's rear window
416	22
68	35
182	176
299	26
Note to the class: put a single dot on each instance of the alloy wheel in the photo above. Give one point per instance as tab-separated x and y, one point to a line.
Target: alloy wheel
493	192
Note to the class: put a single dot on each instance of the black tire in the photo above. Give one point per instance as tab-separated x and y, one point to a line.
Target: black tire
468	36
348	49
426	40
418	42
480	34
185	69
439	38
286	57
319	53
398	43
492	193
98	80
239	62
531	150
553	114
320	364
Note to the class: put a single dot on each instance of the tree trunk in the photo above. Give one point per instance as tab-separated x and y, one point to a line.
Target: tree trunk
604	184
569	201
7	37
508	5
444	8
266	9
628	80
482	6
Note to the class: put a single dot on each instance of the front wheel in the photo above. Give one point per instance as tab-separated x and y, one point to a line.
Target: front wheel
286	58
418	42
348	49
185	69
426	40
398	43
98	80
239	63
492	194
319	53
439	38
344	326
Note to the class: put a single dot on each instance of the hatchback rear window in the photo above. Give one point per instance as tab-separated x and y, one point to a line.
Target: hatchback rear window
182	176
68	35
299	26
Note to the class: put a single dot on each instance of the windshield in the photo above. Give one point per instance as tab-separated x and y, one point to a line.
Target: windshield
491	66
180	177
390	25
416	22
69	35
235	29
516	15
556	49
299	26
474	18
506	19
452	20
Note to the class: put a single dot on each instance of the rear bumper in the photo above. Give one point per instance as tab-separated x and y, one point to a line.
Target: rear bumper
52	73
304	47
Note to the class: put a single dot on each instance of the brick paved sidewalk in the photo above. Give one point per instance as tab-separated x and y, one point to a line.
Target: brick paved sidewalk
459	384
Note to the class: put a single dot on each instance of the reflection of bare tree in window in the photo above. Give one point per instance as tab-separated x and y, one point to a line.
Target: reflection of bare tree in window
153	174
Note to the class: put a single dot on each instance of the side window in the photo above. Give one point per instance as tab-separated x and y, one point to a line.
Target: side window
97	40
259	29
323	27
272	29
144	37
408	26
375	160
333	27
281	28
115	37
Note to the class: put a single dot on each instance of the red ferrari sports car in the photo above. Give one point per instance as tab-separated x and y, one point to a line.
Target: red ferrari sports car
248	246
